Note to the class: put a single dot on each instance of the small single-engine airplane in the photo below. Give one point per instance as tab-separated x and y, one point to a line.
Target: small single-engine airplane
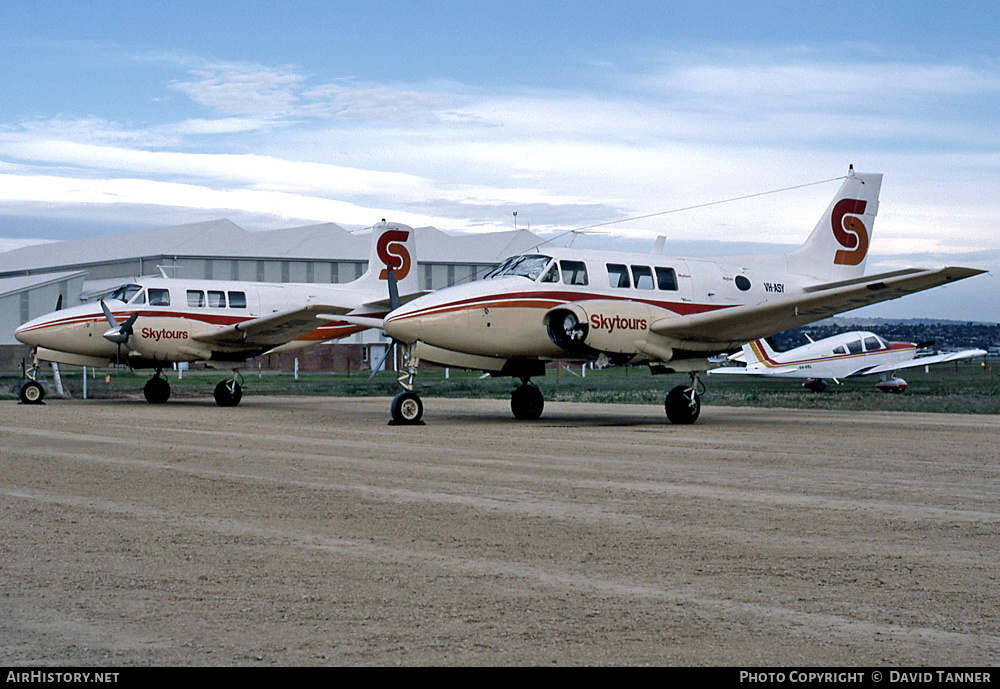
632	308
858	353
155	322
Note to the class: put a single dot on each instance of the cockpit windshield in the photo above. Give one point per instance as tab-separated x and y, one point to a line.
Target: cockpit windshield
528	265
124	293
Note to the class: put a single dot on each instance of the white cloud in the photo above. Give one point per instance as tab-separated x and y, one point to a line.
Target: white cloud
236	89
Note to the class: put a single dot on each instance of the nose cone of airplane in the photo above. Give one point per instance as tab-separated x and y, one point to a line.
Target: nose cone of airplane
52	330
32	333
403	324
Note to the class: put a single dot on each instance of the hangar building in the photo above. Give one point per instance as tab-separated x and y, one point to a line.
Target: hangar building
32	278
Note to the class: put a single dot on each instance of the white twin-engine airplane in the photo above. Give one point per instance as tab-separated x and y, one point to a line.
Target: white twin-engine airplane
155	322
628	308
859	353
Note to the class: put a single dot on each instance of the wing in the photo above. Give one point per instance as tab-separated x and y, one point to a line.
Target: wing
730	327
273	330
927	361
756	371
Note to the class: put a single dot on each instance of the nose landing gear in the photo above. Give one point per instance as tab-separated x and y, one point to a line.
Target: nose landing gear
31	391
406	408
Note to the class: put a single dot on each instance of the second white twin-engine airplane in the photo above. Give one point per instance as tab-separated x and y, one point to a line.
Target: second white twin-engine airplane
632	308
846	355
157	321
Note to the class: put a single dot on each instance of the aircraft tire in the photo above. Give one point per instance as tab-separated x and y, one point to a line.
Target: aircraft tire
32	392
228	393
527	403
156	390
815	384
407	409
680	407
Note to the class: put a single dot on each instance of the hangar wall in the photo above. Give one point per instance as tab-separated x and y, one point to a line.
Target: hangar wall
31	278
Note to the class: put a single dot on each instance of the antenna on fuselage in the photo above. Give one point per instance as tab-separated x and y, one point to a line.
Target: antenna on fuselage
576	233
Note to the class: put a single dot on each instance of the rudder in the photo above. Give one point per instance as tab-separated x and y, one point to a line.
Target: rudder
837	248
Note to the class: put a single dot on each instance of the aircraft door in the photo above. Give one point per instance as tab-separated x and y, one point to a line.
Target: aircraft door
715	283
685	284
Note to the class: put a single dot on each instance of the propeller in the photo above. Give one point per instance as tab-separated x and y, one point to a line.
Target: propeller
118	334
393	305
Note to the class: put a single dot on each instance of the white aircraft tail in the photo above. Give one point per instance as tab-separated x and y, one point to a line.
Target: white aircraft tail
837	249
758	353
393	246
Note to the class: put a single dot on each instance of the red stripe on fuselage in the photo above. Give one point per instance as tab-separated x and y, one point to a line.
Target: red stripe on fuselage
339	328
547	300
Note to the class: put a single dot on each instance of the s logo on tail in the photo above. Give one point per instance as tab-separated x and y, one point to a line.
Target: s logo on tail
393	253
850	232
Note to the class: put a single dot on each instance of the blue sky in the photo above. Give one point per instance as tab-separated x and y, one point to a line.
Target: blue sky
118	116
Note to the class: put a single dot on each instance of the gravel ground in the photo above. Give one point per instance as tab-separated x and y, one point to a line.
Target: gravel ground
306	531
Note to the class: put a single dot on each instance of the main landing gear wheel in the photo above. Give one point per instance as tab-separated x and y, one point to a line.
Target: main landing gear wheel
406	409
32	392
527	402
683	405
815	384
228	393
156	390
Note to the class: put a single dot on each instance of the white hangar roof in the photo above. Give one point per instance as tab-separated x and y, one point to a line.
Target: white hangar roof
28	282
223	238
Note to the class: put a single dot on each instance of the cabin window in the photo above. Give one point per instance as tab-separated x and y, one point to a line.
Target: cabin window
854	347
618	275
139	298
237	300
196	298
872	343
499	270
124	293
528	266
666	279
216	299
642	277
158	297
552	274
742	283
574	272
840	350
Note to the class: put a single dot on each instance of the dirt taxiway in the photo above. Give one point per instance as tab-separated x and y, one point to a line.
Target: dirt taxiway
306	531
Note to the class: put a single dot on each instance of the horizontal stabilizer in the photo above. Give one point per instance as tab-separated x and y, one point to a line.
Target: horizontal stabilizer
366	321
273	330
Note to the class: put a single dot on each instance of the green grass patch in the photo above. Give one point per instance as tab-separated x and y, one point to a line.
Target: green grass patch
967	388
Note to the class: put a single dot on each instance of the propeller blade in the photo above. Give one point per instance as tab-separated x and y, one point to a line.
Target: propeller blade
107	314
117	333
390	278
384	357
393	289
127	325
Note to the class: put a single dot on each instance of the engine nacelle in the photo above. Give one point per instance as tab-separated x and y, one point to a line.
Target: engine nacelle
601	326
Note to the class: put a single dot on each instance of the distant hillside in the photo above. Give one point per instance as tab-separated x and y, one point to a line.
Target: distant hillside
944	334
